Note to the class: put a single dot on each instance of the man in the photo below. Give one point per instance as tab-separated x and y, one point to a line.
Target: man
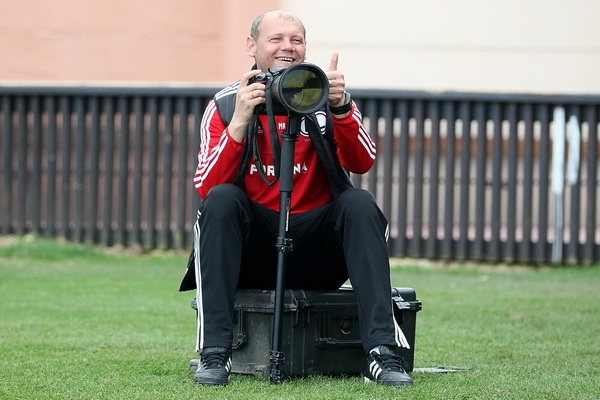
338	231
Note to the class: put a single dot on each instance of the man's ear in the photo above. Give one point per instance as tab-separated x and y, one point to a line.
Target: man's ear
250	46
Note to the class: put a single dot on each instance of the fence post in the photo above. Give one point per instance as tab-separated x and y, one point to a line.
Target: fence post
558	162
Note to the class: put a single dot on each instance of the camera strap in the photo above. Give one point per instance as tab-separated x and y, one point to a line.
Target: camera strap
337	176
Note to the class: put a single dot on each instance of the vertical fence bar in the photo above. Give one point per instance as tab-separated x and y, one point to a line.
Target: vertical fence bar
21	167
388	158
496	209
527	158
433	114
447	250
418	160
109	146
123	177
94	170
165	237
573	173
511	186
138	171
51	155
480	182
152	186
590	253
543	116
402	194
79	211
462	247
557	183
182	165
65	169
35	192
6	190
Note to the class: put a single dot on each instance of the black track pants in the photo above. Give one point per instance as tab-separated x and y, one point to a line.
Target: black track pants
235	248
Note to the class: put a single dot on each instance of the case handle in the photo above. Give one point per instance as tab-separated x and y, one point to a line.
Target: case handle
333	343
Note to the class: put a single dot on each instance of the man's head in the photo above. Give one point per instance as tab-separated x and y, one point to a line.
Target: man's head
277	38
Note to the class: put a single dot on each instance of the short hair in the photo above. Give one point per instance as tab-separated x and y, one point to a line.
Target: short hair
254	29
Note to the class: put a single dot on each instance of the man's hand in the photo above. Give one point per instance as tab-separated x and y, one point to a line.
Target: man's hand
337	84
247	98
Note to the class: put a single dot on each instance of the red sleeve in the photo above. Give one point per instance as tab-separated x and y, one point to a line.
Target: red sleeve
219	156
355	148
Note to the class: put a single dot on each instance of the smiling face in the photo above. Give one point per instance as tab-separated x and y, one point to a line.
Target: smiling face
278	40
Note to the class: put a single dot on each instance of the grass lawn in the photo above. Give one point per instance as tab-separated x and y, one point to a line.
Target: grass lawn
82	323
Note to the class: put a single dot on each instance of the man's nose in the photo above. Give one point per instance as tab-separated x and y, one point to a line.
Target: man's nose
286	44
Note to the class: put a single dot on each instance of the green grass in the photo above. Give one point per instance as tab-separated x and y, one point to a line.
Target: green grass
78	322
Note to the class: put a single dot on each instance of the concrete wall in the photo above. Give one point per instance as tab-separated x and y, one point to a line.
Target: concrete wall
481	45
126	40
539	46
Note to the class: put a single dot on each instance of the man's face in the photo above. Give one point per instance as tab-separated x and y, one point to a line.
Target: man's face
280	43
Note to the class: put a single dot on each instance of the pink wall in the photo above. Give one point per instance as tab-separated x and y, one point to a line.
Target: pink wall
126	40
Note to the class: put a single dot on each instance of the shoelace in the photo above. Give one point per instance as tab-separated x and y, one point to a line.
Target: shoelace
390	362
214	360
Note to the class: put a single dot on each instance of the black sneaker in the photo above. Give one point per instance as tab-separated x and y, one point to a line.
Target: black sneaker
214	368
386	368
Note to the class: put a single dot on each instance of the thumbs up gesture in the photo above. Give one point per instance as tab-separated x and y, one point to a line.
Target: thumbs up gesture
337	85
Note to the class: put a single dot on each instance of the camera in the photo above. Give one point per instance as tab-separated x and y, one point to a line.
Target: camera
299	89
265	77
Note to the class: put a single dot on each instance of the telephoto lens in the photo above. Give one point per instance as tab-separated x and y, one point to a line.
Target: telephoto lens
300	89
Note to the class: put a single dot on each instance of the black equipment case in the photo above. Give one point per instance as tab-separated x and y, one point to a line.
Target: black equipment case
320	331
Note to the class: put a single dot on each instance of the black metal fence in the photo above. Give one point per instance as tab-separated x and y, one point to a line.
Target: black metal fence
461	176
